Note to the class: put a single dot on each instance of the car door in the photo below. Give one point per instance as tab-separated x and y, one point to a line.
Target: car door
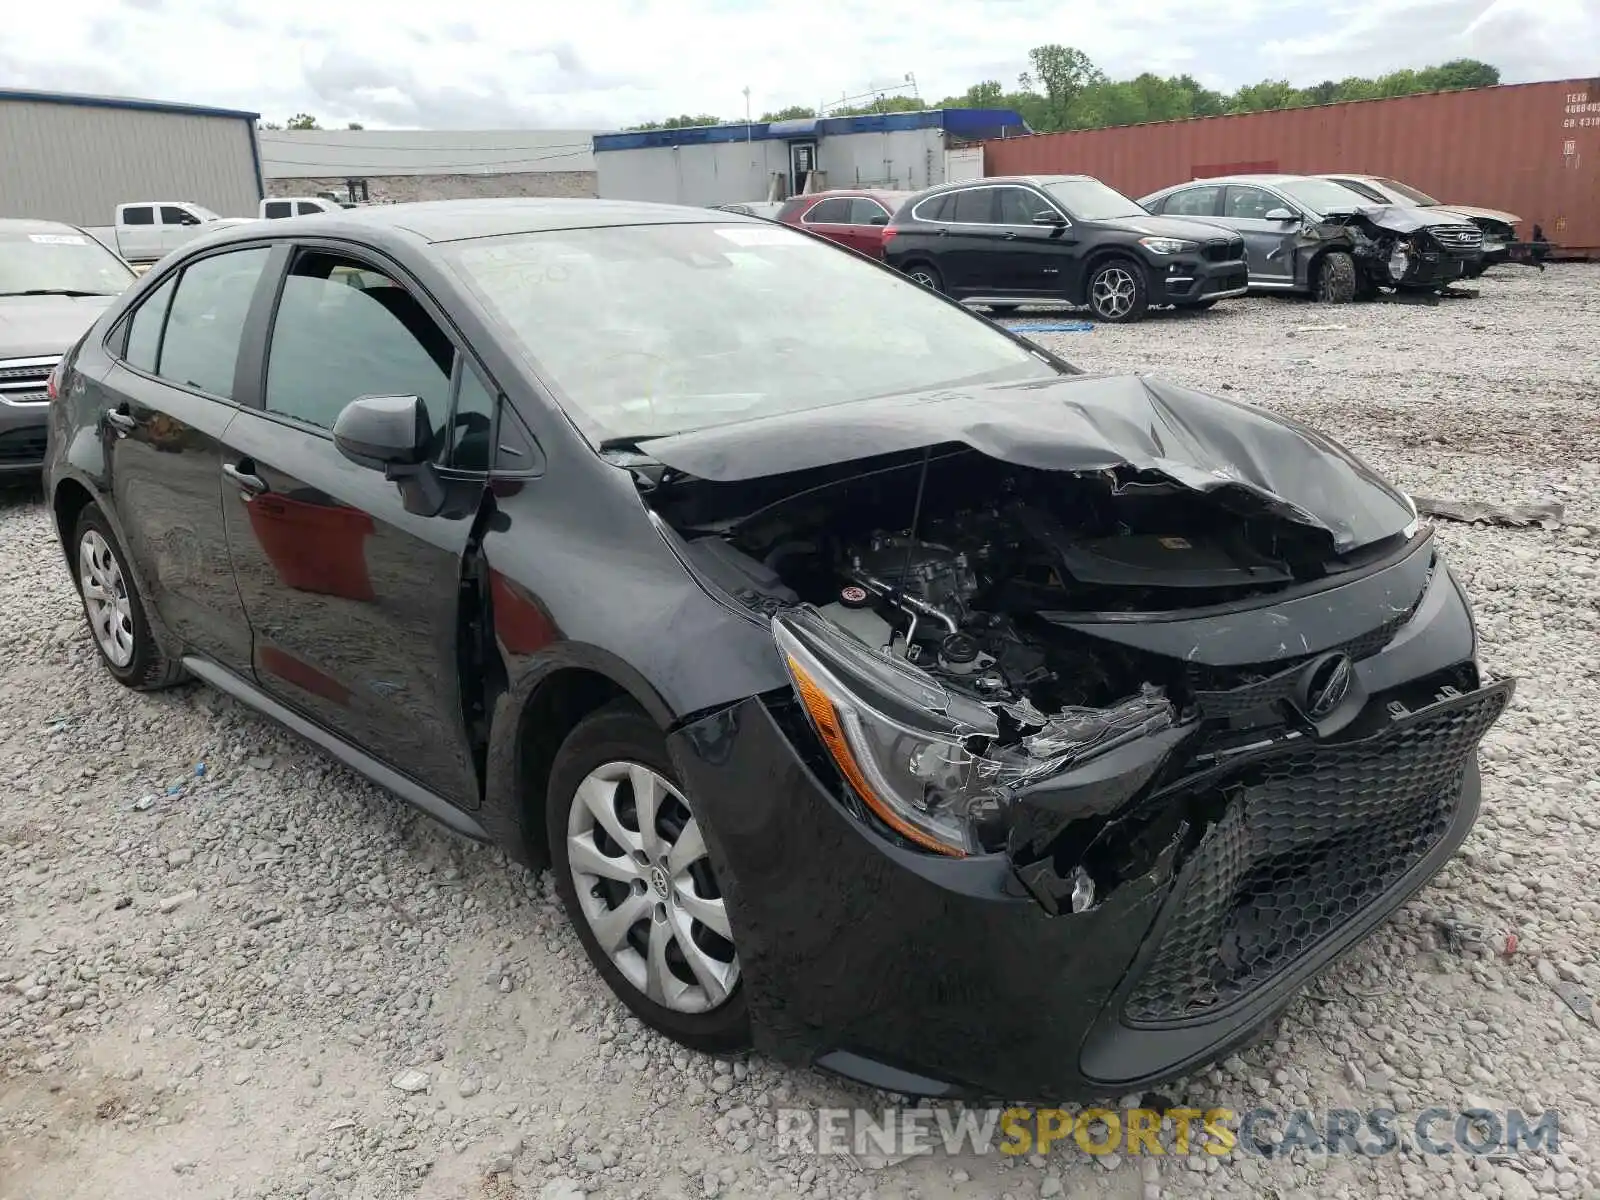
968	253
830	218
168	401
177	226
1268	244
1032	259
352	600
868	219
138	234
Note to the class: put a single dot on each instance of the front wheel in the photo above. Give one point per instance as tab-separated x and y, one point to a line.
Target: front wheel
633	872
116	613
1336	281
1117	292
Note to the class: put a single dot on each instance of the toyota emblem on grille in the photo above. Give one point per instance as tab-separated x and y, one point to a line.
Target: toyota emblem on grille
1324	685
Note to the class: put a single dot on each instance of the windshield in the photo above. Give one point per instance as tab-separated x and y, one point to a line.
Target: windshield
1324	196
655	329
1421	199
1091	200
64	261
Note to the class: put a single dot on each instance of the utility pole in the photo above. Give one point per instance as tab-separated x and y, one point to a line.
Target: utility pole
747	112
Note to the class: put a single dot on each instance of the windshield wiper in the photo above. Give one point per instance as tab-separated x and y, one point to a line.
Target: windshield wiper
56	292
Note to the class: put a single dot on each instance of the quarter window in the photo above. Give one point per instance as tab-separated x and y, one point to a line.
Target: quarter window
833	211
144	330
1192	202
343	331
936	209
974	207
472	423
201	343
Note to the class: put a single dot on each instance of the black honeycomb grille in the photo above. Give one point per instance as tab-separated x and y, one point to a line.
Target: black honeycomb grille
1306	842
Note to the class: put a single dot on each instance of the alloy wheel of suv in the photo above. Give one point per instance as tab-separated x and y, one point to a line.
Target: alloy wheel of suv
635	875
927	276
1116	292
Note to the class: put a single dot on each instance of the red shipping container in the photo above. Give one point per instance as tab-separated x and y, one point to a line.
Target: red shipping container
1532	149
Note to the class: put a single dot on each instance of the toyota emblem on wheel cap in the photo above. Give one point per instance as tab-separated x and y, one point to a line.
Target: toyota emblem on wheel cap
1324	685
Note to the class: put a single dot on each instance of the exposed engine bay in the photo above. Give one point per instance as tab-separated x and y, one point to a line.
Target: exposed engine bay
1394	249
963	567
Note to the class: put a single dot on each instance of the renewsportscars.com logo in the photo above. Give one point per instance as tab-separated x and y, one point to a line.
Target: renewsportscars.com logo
908	1132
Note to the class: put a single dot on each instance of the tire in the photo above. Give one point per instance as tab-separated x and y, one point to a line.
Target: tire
1336	281
1116	293
926	274
118	622
592	790
1003	310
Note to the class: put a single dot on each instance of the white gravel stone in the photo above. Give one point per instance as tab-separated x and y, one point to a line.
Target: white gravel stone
348	955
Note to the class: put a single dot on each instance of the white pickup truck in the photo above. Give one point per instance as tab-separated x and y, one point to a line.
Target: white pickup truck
279	207
150	229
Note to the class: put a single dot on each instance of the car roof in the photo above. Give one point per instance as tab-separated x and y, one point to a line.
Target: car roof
851	191
29	225
456	220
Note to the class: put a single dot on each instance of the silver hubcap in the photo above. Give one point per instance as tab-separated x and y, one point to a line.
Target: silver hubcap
923	278
1113	292
105	597
644	882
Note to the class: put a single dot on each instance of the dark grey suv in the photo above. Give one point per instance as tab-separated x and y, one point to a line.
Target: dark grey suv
1054	239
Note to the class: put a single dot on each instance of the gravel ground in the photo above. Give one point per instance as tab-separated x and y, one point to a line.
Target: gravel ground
271	980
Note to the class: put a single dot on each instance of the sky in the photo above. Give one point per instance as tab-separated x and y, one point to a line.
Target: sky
499	64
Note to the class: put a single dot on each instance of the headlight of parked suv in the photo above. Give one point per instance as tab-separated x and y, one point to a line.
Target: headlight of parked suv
1166	245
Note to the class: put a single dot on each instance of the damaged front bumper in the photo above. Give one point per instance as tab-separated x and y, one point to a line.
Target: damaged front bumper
1221	880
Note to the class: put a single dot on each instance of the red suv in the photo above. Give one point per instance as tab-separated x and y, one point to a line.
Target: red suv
854	217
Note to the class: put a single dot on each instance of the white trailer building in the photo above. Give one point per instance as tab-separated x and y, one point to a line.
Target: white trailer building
762	160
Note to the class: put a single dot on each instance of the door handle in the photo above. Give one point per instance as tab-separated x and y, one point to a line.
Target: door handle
245	478
1010	237
120	418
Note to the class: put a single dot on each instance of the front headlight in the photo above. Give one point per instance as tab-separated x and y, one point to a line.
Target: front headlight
1399	262
1167	245
933	765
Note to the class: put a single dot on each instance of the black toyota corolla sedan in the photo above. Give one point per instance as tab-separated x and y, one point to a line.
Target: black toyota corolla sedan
881	691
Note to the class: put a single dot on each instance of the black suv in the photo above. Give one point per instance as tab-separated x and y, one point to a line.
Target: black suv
1042	239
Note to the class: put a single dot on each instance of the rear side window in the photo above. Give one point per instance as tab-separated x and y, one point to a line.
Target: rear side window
138	216
144	331
344	330
835	210
974	207
201	344
1192	202
277	209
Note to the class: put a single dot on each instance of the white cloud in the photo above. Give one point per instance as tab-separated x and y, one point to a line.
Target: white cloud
494	63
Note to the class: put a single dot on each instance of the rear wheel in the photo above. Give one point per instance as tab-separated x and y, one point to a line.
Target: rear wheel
1117	292
633	872
115	611
927	275
1336	281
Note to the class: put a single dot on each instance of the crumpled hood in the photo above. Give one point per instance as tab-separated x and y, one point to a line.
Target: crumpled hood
1405	218
1473	212
36	326
1080	423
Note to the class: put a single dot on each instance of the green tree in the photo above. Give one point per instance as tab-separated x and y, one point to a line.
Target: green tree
302	121
355	125
1062	73
684	122
795	112
1459	73
882	104
1264	96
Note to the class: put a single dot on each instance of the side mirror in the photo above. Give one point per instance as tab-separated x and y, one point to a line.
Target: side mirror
879	220
189	219
379	432
392	434
1048	218
1280	214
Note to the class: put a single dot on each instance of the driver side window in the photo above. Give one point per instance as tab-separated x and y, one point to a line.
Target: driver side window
344	330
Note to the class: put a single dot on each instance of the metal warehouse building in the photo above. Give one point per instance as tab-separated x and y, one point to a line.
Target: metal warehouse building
412	164
730	164
75	158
